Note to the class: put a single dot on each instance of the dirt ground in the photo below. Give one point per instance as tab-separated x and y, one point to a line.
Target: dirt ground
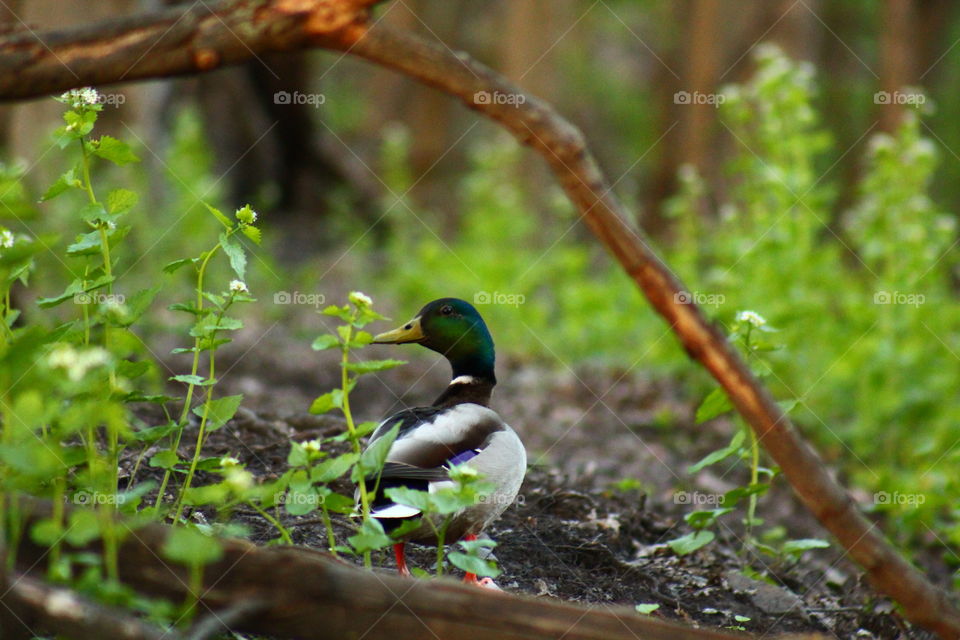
573	533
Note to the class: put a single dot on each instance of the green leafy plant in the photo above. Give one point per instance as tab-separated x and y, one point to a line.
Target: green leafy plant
438	509
362	464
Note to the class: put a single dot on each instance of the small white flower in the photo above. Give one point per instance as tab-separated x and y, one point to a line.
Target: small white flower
81	97
6	239
313	446
89	95
751	317
239	479
238	286
229	461
77	363
360	299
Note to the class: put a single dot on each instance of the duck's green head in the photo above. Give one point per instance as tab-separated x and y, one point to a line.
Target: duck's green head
452	327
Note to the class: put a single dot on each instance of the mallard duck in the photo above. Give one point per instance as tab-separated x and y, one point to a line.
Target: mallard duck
458	427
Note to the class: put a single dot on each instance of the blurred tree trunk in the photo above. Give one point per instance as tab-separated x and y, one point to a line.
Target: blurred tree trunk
698	57
793	26
9	11
933	21
898	65
698	119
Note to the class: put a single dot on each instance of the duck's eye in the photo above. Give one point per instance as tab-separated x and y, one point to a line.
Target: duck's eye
446	310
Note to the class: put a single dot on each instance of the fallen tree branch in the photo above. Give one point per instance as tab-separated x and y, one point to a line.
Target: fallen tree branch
29	606
537	125
293	592
170	42
173	42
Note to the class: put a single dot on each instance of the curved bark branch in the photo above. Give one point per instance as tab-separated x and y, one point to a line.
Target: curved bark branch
293	592
170	42
173	42
29	605
536	124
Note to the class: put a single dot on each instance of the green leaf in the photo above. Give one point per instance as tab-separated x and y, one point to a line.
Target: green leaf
116	151
414	498
251	232
46	532
375	454
186	545
79	123
338	503
719	454
219	411
82	528
360	339
171	267
130	369
804	544
370	537
138	303
691	542
88	244
646	609
236	254
330	470
224	220
328	401
732	497
152	434
301	500
207	494
121	200
165	459
473	564
192	379
340	312
706	517
298	455
325	341
73	289
66	181
371	366
716	403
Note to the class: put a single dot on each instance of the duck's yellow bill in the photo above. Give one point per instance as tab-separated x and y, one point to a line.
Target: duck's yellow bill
410	332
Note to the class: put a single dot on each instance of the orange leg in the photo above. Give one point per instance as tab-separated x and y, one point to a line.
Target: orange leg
398	553
471	578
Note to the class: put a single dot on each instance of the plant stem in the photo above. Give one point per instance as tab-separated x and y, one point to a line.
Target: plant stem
59	491
182	422
284	533
354	439
331	539
201	435
441	536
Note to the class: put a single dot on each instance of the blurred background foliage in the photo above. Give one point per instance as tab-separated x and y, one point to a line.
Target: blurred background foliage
793	189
